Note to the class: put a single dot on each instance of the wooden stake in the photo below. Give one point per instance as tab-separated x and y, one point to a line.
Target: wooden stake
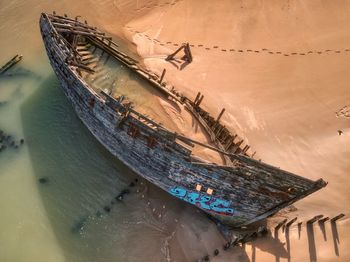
291	222
314	219
337	217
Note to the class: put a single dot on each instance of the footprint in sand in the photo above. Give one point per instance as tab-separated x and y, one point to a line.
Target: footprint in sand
232	50
240	50
301	53
337	51
279	53
286	55
256	51
215	46
224	50
293	53
319	52
310	52
249	50
271	53
207	48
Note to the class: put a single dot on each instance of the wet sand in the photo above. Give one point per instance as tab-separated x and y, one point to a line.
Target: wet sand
280	70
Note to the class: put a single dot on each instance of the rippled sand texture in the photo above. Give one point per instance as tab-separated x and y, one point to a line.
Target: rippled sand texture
278	67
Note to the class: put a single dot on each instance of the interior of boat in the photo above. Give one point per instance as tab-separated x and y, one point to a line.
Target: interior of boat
103	71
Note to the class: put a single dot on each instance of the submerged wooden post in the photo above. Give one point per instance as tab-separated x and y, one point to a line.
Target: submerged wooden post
220	115
162	76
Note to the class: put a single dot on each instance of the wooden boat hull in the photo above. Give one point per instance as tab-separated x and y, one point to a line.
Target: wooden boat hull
241	194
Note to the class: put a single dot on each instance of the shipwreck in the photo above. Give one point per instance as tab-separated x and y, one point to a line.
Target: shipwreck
236	190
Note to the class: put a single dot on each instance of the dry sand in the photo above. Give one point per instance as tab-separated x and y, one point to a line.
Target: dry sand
280	70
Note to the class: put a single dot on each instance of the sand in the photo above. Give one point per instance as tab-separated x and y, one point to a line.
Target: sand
280	70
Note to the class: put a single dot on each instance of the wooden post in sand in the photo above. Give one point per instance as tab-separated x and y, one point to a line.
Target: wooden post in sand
199	101
337	217
280	224
314	219
162	76
220	115
197	97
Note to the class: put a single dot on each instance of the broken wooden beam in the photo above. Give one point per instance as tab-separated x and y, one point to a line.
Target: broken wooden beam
60	26
84	33
12	62
81	66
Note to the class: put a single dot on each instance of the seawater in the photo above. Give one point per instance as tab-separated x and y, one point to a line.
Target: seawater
73	215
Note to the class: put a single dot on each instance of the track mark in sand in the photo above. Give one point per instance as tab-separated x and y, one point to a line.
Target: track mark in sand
225	50
148	6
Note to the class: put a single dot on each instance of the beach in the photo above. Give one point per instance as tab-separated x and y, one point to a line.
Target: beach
279	68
